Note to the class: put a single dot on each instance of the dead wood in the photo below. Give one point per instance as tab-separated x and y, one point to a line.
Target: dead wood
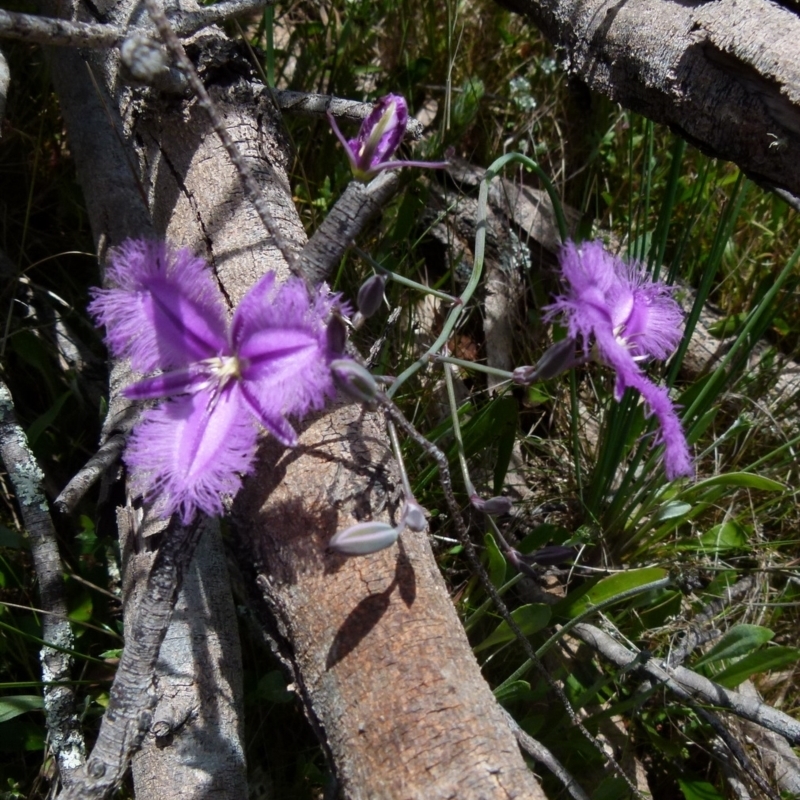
725	75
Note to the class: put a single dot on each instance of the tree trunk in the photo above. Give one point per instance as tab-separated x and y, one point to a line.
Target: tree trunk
725	75
378	653
376	649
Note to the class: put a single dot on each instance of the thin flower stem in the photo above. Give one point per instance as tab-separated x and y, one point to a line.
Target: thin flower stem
402	280
576	441
462	459
455	313
398	454
480	249
474	365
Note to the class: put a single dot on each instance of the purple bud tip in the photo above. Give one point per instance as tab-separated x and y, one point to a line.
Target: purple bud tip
370	295
364	538
558	358
524	376
494	506
355	381
336	335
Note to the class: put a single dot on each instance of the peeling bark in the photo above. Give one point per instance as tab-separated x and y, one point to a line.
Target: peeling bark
725	75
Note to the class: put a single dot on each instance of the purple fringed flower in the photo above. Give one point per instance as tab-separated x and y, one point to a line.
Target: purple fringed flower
273	360
632	319
379	136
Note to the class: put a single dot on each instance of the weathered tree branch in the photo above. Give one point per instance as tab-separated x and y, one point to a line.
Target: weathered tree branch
731	88
106	456
132	699
689	686
66	739
438	711
118	196
54	32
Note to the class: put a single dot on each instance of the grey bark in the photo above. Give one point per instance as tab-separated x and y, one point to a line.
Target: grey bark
66	740
725	75
689	686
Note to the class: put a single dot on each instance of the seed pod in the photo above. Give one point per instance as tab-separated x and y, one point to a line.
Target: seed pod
337	335
558	358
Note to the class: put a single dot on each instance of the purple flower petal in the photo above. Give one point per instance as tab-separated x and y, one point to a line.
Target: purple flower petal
166	311
629	317
281	336
181	381
168	314
677	459
187	453
378	138
381	133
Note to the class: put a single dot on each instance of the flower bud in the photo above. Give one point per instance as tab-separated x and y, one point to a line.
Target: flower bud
355	381
558	358
494	506
413	516
364	538
370	295
551	555
336	335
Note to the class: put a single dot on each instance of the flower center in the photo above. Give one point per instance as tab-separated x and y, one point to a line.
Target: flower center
224	369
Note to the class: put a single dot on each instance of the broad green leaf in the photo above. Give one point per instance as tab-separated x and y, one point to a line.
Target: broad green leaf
497	564
728	326
607	588
699	790
15	705
762	661
723	537
83	609
673	510
743	479
530	618
9	538
738	641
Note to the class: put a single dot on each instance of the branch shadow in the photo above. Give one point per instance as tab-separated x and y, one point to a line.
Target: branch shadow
369	611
